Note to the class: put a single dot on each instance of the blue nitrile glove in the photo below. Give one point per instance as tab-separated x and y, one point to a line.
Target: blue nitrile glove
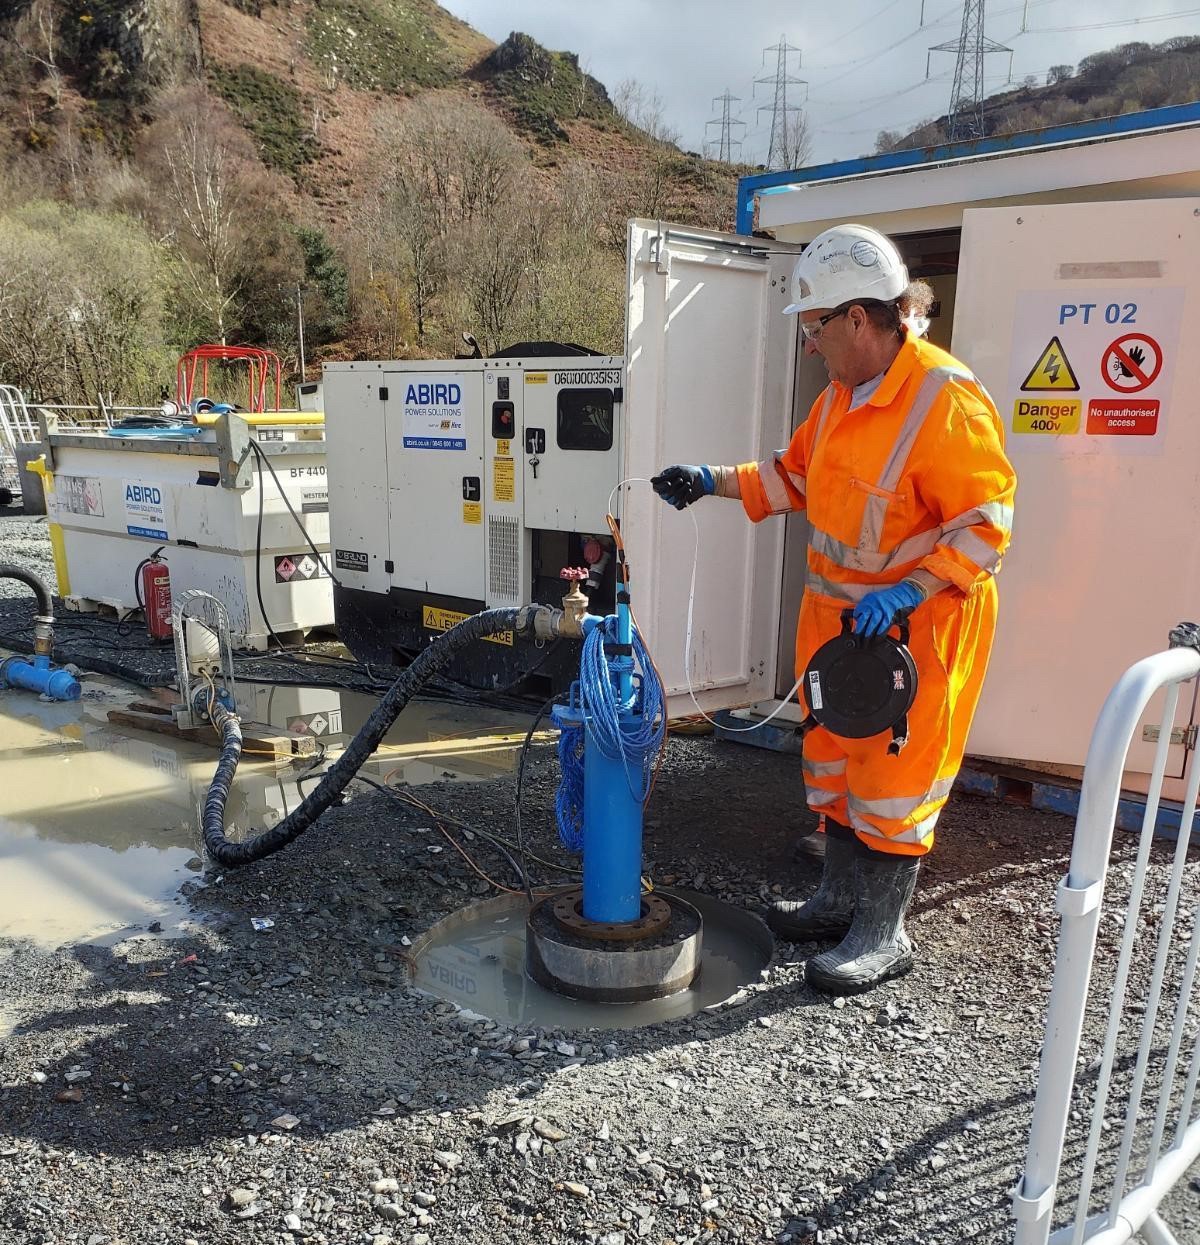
874	613
680	486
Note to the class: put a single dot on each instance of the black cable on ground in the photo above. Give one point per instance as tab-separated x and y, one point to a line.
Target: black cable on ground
339	774
395	795
541	713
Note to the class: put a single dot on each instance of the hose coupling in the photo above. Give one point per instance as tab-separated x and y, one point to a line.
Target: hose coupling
43	636
542	621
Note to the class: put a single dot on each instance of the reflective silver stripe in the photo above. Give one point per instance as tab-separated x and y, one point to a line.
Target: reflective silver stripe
853	559
840	592
823	769
998	514
934	381
914	834
773	487
899	807
798	481
973	546
825	407
819	799
994	513
932	385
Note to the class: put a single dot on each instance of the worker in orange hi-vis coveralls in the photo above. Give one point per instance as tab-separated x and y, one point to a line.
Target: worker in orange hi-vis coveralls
909	494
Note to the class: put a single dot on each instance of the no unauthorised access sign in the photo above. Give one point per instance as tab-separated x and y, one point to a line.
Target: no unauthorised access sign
1132	363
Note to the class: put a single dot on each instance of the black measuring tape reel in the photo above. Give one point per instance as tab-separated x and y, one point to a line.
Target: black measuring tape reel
857	686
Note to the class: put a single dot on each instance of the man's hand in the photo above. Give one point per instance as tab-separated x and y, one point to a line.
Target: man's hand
873	615
680	486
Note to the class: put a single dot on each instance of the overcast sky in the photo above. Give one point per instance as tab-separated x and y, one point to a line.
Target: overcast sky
864	60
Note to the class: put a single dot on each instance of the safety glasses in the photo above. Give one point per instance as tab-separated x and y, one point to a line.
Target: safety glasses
813	329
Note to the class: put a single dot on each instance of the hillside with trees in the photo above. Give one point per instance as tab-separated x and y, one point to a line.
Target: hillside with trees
181	171
1129	78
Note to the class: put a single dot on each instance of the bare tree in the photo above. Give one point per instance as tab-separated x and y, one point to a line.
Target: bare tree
797	140
445	167
490	261
643	107
211	184
81	304
37	40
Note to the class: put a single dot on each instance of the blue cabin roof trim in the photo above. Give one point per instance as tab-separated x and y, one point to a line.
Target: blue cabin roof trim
891	161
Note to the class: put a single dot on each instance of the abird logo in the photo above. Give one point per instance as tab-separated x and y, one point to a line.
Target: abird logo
143	493
447	393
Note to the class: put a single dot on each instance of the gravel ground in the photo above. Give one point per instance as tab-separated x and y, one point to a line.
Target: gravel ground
24	542
288	1085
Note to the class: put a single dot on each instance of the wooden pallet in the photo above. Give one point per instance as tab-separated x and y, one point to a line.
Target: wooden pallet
257	738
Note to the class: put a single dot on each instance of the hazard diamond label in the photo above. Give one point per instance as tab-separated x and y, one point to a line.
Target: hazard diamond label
1051	371
293	567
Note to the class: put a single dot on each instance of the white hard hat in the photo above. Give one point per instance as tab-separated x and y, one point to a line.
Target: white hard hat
844	264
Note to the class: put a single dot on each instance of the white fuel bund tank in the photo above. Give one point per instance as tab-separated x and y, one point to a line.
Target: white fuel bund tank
223	526
463	484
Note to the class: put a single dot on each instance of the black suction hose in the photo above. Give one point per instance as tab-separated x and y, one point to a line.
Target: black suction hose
424	667
45	607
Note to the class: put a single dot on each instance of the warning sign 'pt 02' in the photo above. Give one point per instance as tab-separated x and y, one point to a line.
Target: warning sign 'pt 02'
1090	363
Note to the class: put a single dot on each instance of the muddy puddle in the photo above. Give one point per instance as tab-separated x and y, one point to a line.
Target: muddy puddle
99	825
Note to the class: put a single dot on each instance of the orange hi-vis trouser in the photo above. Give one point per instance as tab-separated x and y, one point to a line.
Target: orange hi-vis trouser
893	802
914	479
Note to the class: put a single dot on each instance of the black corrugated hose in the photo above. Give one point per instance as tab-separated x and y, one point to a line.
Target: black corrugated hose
337	777
44	604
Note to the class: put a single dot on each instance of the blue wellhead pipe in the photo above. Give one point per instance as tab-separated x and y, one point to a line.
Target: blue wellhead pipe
621	716
37	675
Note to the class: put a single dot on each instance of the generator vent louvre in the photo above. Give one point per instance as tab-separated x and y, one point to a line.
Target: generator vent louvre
504	557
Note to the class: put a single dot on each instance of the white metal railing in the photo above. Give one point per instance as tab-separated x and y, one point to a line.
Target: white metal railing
1134	1148
17	427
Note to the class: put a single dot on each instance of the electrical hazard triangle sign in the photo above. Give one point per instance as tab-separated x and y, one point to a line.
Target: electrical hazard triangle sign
1051	371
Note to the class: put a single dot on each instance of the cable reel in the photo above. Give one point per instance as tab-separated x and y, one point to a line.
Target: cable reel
856	686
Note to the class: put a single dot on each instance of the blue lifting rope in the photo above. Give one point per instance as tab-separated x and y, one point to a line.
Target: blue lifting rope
632	732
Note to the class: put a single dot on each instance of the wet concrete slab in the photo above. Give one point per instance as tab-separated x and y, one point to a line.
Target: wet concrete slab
99	825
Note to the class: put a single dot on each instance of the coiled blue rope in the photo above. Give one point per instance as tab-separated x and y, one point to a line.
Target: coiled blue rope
636	740
568	800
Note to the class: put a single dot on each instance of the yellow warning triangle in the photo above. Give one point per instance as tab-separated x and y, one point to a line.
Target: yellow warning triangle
1052	370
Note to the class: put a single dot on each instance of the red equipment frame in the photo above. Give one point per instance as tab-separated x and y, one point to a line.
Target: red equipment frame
259	363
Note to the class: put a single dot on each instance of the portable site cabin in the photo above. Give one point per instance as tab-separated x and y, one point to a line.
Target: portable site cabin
1066	263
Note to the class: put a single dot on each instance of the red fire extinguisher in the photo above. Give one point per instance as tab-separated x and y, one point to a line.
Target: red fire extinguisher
153	581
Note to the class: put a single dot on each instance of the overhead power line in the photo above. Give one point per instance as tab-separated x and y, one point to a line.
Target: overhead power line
966	95
726	142
777	155
1125	21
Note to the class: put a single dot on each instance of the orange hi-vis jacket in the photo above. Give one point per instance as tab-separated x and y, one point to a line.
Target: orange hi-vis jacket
915	478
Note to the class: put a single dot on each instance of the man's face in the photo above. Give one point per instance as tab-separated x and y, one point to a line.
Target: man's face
836	341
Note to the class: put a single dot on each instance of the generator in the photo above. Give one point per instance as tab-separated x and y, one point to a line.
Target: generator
459	485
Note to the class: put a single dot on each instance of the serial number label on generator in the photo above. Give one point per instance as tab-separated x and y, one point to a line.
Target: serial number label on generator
442	620
606	376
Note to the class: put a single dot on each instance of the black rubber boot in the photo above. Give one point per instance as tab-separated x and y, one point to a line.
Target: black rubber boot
830	911
876	948
809	849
